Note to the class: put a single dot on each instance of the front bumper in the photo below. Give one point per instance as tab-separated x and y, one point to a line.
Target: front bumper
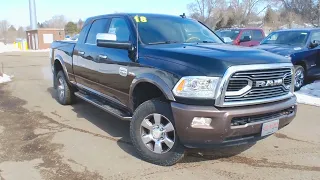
221	133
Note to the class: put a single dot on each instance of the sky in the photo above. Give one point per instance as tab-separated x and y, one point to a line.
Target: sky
17	11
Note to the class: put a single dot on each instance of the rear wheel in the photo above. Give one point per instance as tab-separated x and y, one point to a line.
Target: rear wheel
153	134
65	95
299	77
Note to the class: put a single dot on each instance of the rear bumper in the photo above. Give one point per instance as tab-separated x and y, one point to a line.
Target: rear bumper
221	133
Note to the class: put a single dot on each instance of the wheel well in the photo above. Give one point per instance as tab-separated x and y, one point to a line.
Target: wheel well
303	64
57	67
145	91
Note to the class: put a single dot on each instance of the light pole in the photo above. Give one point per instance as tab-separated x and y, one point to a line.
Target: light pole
33	14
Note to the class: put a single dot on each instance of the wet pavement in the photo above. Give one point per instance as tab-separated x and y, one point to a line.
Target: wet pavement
41	139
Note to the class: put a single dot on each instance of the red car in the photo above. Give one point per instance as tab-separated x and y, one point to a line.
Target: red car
242	36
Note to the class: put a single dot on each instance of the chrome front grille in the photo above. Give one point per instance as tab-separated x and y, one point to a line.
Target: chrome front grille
244	85
238	82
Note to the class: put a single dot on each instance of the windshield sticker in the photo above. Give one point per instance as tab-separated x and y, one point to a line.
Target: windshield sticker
297	48
237	31
304	33
140	19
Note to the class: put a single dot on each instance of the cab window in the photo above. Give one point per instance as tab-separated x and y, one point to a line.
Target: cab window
98	26
119	27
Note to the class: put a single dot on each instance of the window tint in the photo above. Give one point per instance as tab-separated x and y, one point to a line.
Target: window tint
120	28
287	37
98	26
245	33
158	30
315	36
257	35
232	34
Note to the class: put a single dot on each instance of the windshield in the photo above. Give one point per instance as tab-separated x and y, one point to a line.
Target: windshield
232	34
160	30
287	38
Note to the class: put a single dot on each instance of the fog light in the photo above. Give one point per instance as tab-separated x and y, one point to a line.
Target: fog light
201	122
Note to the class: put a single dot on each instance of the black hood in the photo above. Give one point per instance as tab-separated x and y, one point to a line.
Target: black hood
211	59
280	49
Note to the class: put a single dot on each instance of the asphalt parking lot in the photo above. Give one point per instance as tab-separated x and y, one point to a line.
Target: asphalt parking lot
40	139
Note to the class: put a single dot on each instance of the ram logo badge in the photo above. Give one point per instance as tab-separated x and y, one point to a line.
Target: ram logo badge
268	83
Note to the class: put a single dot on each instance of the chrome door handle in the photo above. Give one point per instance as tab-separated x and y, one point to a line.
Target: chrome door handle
103	56
81	52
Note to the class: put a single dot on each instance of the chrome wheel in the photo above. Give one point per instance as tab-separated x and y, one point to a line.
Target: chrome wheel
61	88
299	78
157	133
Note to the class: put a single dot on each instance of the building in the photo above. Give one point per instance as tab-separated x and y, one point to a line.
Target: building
43	37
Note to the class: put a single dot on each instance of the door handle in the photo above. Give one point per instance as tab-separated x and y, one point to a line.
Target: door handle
103	56
81	52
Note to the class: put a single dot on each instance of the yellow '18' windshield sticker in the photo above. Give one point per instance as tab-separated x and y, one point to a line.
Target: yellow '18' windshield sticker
140	19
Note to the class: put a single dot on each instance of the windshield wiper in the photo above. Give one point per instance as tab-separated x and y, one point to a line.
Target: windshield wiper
162	42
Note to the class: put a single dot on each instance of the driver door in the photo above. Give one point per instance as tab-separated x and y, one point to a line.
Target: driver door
244	35
312	55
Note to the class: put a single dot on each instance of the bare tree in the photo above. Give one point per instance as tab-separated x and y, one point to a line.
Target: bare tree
308	10
4	26
58	21
245	10
80	24
21	32
207	11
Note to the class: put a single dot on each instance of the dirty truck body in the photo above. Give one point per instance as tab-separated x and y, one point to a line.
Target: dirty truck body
176	81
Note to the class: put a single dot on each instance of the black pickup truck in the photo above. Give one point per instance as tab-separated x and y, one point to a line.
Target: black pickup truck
176	82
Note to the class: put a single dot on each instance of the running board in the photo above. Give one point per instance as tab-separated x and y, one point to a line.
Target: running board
104	106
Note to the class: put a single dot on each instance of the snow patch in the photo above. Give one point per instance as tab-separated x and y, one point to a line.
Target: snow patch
7	48
309	94
12	48
5	78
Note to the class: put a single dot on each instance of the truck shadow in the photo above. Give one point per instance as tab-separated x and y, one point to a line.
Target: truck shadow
118	131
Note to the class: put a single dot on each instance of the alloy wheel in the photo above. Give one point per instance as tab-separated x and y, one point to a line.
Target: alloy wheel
157	133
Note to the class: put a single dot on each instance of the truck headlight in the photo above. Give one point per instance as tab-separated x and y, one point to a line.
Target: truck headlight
200	87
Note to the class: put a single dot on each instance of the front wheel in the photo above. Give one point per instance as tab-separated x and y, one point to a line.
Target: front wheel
153	134
299	77
65	94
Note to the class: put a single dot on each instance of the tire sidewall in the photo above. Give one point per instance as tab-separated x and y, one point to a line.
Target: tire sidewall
145	109
64	99
304	77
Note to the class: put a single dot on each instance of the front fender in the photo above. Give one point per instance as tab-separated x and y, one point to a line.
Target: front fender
60	59
155	80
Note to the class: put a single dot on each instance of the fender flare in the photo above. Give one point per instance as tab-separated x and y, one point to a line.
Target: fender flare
152	79
60	59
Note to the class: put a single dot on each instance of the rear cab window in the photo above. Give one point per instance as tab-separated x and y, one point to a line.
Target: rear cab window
315	36
257	35
245	33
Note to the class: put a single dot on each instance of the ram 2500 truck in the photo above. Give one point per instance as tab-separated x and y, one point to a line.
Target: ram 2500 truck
176	81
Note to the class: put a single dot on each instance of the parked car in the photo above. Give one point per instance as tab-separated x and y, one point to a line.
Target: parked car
242	36
177	91
301	46
67	38
75	37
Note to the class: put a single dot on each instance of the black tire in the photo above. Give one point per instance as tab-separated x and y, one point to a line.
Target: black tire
68	97
299	78
171	157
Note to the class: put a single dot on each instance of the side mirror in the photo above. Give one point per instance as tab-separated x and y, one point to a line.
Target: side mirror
245	39
109	40
314	44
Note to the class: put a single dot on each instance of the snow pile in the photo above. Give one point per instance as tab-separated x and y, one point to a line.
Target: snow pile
4	78
8	48
309	94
